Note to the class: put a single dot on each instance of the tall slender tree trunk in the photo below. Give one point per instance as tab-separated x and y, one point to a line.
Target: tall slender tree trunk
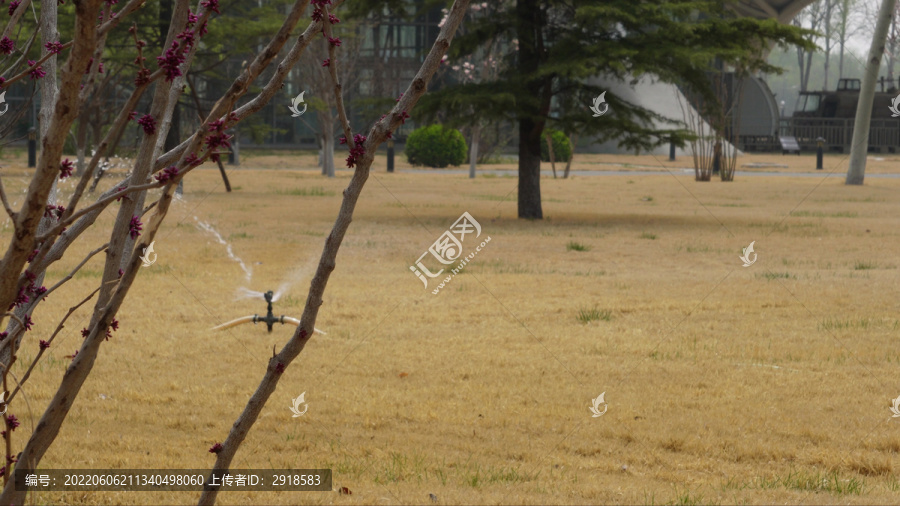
827	24
202	112
892	46
81	142
550	152
473	150
48	89
168	15
860	144
841	62
97	123
328	152
320	141
173	139
114	145
572	141
842	34
527	28
804	58
236	150
326	134
805	84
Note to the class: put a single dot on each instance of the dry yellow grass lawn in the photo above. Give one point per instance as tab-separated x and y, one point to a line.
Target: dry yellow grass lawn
758	385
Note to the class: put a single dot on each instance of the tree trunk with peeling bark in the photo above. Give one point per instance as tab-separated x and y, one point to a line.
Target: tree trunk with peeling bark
48	89
26	222
473	150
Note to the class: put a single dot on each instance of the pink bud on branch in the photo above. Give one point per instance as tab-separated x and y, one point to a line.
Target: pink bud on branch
65	169
135	227
36	72
148	123
7	46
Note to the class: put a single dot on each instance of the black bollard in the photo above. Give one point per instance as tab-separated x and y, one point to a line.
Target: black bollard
671	151
32	147
390	155
820	143
717	157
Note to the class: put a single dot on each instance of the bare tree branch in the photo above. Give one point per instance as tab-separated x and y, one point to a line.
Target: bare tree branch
9	210
37	64
49	342
106	309
338	87
114	21
99	205
14	18
100	151
23	53
48	168
75	270
237	90
378	134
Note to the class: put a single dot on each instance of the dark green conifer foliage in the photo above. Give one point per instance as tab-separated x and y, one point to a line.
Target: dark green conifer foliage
553	49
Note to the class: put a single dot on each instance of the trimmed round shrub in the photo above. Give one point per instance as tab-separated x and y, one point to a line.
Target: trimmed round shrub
436	146
562	148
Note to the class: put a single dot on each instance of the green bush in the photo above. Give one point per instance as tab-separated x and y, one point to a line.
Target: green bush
436	146
562	148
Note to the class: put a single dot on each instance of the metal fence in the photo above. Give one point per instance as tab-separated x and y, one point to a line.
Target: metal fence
884	135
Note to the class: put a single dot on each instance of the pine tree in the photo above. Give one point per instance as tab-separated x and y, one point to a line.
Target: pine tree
554	48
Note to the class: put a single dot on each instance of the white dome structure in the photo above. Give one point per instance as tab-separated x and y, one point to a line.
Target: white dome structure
759	112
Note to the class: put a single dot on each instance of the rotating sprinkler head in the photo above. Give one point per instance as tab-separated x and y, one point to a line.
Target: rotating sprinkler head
270	319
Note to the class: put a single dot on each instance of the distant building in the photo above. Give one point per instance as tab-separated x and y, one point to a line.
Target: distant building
394	49
391	52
